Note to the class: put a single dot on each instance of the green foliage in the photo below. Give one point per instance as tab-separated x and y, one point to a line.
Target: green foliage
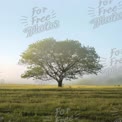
59	60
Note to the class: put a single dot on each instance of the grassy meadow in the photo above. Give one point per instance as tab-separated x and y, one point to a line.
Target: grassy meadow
35	103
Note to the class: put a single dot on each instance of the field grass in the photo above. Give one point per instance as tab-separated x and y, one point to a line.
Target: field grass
32	103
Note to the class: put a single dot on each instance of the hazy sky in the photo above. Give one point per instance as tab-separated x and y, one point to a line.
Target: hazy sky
74	18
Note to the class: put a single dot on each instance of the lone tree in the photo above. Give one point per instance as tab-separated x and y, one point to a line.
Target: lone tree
50	59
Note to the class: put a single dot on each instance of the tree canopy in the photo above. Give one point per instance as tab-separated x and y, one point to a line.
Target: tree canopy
50	59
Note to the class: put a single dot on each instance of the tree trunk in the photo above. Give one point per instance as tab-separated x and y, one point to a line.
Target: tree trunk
60	83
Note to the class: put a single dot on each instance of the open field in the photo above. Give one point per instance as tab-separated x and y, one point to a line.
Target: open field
31	103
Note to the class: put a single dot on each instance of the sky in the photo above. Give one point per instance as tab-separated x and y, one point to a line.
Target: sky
75	21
